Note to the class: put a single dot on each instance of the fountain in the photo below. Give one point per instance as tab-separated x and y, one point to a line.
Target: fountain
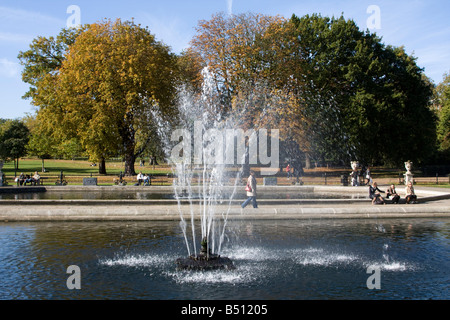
203	176
206	260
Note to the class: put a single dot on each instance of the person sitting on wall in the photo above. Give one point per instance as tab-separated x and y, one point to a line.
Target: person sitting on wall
392	192
411	196
375	194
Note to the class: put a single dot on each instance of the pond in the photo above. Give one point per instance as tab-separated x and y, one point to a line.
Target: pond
275	260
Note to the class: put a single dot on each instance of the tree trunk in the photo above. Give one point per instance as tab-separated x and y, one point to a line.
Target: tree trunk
308	161
130	156
129	163
102	166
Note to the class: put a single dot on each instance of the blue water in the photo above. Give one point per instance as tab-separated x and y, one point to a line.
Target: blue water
289	260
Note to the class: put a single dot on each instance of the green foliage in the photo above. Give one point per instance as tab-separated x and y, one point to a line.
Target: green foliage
45	56
443	128
103	90
335	91
371	96
14	137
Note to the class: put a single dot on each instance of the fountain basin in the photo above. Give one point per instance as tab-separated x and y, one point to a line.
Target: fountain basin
432	204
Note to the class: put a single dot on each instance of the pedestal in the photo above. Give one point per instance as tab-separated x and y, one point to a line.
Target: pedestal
409	177
1	174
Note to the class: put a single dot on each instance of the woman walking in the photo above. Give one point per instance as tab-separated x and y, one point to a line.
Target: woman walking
251	191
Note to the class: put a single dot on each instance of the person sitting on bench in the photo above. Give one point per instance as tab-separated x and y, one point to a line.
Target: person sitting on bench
140	178
36	178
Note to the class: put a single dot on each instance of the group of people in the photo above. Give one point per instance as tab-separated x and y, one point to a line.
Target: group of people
375	194
23	179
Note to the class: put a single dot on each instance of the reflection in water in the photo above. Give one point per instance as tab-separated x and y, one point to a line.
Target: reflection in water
274	260
151	195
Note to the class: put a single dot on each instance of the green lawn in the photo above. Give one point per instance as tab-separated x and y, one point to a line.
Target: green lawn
77	169
73	168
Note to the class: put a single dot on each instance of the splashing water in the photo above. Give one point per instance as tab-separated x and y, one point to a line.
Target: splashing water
202	175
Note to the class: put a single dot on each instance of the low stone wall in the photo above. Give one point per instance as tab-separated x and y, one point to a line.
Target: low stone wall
433	203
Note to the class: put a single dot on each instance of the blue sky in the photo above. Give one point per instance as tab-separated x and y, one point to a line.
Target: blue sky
422	27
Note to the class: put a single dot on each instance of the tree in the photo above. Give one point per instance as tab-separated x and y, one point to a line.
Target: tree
45	56
115	83
443	128
14	137
336	91
232	48
40	144
368	92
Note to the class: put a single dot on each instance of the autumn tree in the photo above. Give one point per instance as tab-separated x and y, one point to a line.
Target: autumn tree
336	91
231	46
114	85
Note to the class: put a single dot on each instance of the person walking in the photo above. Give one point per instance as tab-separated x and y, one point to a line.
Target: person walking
288	171
251	191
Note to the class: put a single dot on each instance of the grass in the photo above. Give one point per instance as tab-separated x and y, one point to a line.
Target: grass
434	185
75	170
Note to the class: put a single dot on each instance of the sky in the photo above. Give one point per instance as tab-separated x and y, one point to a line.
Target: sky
422	27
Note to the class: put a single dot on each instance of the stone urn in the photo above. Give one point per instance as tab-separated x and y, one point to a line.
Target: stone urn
408	175
354	173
